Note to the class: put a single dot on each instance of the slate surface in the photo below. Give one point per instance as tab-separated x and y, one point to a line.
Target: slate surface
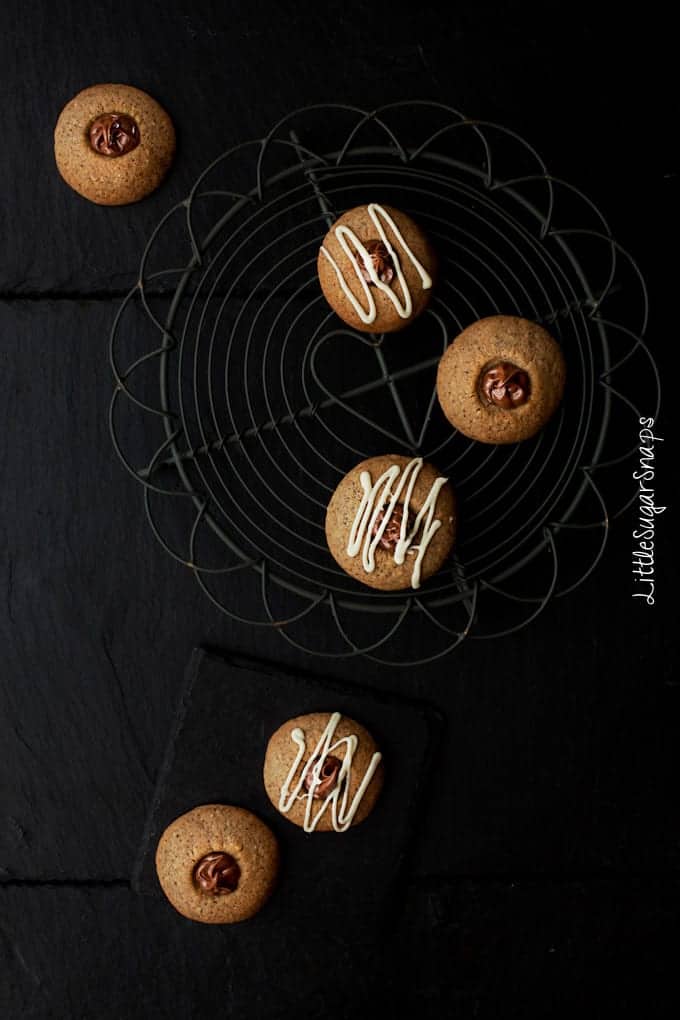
556	791
471	948
339	896
227	73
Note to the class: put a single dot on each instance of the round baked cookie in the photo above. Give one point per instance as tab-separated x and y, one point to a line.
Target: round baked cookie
501	379
113	144
217	863
376	268
323	772
367	546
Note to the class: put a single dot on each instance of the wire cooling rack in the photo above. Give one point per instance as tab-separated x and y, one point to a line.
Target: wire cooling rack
241	399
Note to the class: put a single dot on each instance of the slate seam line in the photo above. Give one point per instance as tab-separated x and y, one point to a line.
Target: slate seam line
422	882
10	589
189	678
67	883
11	297
126	712
16	297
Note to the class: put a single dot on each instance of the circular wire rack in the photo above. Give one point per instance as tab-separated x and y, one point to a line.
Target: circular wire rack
241	399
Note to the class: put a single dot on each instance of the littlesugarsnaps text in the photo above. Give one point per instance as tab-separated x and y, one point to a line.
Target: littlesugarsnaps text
644	530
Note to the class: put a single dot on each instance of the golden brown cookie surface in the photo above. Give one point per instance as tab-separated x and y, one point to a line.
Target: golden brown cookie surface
217	863
323	771
113	144
386	287
501	379
429	546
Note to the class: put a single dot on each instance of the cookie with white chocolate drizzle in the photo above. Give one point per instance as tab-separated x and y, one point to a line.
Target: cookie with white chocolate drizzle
323	772
376	268
391	522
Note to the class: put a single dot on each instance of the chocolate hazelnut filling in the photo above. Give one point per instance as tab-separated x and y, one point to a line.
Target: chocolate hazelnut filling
380	260
217	873
114	134
328	777
392	532
503	385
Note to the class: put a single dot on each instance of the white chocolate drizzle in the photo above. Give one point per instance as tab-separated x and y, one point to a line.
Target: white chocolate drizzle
347	237
385	493
342	813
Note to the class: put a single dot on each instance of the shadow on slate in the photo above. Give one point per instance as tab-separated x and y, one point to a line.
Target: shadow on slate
338	894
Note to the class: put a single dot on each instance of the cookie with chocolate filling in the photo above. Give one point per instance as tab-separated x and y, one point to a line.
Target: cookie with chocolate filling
391	522
323	772
217	864
501	379
113	144
376	268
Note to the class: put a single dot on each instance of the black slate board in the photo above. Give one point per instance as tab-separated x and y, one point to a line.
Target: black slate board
228	710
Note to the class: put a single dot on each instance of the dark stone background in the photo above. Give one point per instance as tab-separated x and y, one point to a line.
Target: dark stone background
546	874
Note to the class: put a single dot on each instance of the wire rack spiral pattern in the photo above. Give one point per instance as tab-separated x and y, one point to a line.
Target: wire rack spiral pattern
259	399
